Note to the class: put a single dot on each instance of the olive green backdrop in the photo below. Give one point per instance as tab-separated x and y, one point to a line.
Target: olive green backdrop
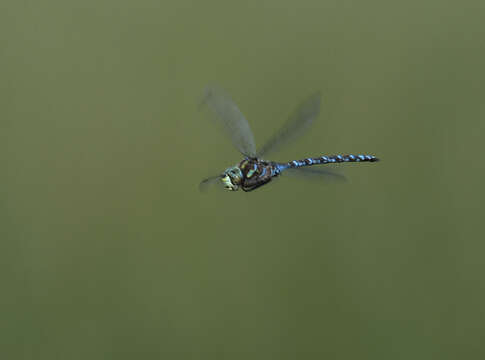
108	249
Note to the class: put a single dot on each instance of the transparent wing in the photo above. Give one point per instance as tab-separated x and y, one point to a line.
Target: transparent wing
209	182
316	174
299	121
232	120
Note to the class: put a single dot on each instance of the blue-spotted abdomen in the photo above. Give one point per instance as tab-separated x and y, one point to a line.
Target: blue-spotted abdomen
328	159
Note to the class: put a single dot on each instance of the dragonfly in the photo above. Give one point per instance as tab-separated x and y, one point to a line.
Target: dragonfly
253	171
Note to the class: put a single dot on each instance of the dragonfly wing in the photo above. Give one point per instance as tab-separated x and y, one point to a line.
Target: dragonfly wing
209	182
299	121
232	120
317	174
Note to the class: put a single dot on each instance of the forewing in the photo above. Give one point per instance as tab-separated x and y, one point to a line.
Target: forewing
209	182
298	122
230	117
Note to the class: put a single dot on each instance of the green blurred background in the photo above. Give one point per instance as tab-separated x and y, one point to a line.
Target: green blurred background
108	249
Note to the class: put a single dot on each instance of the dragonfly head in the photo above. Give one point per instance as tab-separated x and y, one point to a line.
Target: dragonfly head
232	178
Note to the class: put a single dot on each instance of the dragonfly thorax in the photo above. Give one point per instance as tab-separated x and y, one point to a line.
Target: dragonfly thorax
249	174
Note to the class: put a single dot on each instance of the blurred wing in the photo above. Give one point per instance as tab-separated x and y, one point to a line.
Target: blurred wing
316	174
299	121
232	120
208	183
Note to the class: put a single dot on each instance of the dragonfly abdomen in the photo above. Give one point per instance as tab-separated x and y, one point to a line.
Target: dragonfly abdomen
330	159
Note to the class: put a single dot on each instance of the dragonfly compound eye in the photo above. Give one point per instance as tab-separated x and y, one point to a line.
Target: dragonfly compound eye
228	183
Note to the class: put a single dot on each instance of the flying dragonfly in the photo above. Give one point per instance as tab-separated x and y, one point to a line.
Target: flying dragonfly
253	171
